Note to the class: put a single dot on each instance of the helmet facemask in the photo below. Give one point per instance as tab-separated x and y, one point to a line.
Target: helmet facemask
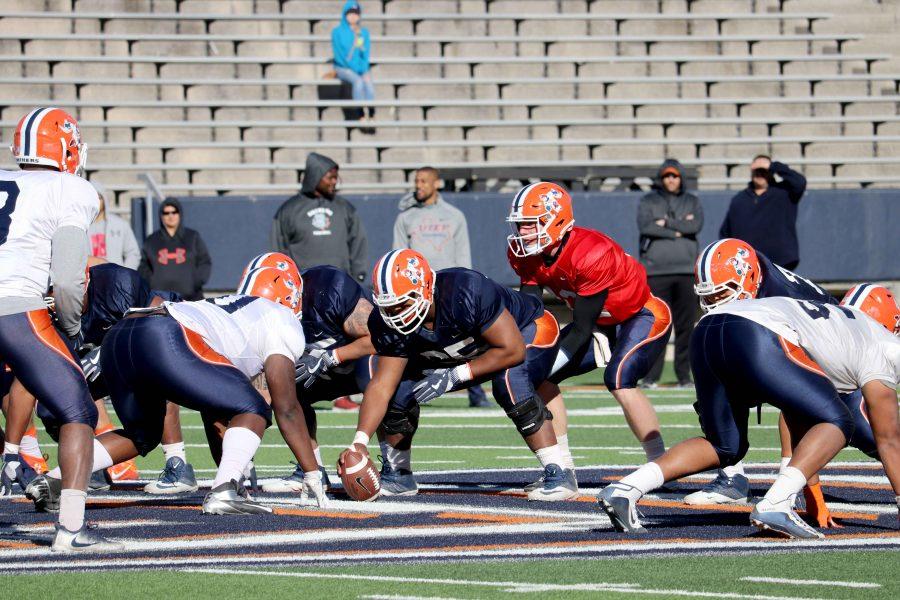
532	243
403	320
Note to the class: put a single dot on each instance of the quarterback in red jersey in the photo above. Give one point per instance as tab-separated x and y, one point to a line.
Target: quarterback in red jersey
616	321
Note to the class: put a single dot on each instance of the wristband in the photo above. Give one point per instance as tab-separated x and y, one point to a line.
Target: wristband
361	437
334	357
463	373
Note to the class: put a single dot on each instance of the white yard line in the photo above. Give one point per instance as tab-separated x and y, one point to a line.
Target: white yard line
787	581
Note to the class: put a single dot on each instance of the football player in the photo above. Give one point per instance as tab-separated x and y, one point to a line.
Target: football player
616	321
338	361
434	333
45	211
799	356
203	355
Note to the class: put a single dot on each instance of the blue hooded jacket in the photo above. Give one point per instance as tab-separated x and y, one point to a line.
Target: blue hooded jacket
348	52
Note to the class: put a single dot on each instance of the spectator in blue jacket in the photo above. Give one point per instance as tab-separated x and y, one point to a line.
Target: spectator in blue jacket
765	213
352	51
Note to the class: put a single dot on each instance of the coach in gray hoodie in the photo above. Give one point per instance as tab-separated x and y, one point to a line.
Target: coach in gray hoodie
318	227
669	219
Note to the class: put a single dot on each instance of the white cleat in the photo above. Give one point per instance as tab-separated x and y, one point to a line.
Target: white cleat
86	539
228	499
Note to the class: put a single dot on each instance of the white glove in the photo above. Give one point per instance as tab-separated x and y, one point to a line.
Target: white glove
313	488
90	364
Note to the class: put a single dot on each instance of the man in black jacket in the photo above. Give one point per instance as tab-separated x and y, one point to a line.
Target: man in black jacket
764	214
669	219
175	257
317	227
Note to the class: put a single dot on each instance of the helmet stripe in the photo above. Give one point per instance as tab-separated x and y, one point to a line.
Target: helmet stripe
26	137
257	262
862	290
386	265
520	197
705	271
248	282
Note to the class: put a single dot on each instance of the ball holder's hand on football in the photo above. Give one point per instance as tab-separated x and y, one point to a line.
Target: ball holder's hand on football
358	474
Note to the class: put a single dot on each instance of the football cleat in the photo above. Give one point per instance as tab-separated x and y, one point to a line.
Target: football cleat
44	491
557	484
86	539
249	479
177	477
345	403
231	499
539	483
99	481
620	508
124	471
397	482
37	463
293	482
722	490
15	471
782	519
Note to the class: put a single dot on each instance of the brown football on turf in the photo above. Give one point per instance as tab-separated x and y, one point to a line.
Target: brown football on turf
360	478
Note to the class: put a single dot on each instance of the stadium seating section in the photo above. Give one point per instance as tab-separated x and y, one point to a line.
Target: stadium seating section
221	96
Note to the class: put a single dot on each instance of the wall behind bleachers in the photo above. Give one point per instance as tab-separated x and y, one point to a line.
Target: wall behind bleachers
844	235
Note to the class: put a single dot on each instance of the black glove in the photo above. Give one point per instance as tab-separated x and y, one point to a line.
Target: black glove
436	383
90	364
310	367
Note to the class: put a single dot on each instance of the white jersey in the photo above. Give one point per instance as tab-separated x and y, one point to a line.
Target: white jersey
33	206
244	329
850	347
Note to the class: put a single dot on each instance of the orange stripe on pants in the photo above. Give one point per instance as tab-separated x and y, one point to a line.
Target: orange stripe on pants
199	347
43	328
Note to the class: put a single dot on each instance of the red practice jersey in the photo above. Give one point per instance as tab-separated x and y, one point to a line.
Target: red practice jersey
589	263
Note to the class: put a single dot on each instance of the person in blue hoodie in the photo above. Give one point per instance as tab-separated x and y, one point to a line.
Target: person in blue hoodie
352	52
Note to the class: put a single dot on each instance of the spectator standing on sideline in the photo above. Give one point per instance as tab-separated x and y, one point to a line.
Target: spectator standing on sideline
111	237
318	227
428	224
669	218
175	258
352	49
765	213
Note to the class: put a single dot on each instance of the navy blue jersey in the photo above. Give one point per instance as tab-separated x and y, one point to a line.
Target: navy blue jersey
777	281
329	297
466	304
112	290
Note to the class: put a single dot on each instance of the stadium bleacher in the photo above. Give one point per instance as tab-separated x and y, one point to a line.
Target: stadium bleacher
222	96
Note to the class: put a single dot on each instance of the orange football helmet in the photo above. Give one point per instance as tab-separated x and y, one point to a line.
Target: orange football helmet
403	289
546	205
50	137
276	260
876	301
726	270
276	285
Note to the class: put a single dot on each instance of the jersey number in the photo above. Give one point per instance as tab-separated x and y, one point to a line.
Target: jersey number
231	304
794	278
821	311
9	193
453	351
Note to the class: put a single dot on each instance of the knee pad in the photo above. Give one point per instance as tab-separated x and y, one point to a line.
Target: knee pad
529	416
401	420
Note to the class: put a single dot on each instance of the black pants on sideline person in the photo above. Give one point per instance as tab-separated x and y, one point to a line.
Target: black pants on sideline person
678	292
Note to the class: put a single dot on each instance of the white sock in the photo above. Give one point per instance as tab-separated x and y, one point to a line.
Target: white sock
733	470
173	450
10	448
239	444
248	470
645	479
318	454
102	459
551	455
31	447
654	447
563	442
54	473
398	459
782	493
785	461
71	509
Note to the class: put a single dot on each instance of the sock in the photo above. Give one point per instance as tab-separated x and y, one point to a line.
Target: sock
551	455
10	467
785	461
102	459
10	448
318	454
563	442
645	479
173	450
398	459
733	470
71	509
30	445
101	429
248	470
782	493
239	444
654	447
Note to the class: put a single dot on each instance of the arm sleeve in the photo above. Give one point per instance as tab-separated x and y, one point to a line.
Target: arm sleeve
646	224
359	246
792	181
204	262
584	315
688	226
461	244
131	254
68	259
401	239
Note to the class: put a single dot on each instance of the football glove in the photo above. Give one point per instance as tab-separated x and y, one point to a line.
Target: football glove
314	489
90	364
438	382
309	367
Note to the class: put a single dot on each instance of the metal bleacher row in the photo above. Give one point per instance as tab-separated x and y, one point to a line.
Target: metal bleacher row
222	96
